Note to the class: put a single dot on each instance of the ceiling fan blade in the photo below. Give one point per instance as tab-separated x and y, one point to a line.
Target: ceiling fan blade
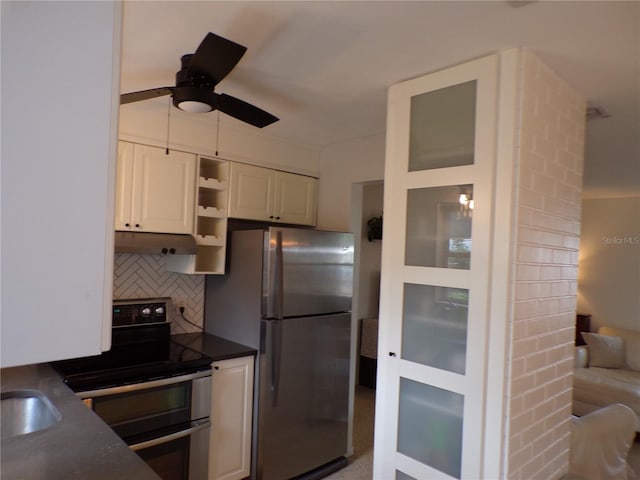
144	95
215	57
244	111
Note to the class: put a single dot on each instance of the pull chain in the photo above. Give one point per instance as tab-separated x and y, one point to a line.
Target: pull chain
217	131
168	124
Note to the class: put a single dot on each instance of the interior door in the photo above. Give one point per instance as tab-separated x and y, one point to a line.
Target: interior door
435	270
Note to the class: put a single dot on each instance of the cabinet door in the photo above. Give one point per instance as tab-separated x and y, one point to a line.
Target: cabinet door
231	416
251	192
163	197
435	265
124	185
58	175
295	199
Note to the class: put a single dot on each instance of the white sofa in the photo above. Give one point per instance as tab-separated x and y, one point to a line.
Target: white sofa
607	371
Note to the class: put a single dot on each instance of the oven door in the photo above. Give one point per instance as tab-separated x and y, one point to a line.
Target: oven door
165	421
180	455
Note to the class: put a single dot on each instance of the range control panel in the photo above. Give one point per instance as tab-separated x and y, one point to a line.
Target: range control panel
141	311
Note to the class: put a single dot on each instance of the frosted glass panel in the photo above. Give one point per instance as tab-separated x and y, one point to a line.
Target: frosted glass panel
439	227
430	426
442	128
434	326
403	476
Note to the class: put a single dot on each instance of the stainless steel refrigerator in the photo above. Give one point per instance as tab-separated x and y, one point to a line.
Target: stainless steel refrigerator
287	292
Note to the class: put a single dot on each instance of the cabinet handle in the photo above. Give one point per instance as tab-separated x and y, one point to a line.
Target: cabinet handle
127	225
270	216
137	225
277	218
172	251
164	250
216	367
392	354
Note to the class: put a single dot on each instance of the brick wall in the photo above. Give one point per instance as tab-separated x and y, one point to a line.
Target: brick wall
548	198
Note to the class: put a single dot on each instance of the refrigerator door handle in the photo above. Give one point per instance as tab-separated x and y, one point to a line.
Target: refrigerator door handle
278	287
276	356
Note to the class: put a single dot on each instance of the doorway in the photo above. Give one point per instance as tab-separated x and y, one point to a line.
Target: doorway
366	212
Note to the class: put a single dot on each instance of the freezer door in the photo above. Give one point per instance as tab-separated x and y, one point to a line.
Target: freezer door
304	394
307	272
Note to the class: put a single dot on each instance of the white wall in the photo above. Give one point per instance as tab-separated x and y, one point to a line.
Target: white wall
342	165
609	265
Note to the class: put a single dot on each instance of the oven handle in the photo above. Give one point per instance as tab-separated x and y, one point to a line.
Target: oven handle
197	426
101	392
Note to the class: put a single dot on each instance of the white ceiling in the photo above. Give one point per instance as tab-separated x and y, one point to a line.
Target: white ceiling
323	67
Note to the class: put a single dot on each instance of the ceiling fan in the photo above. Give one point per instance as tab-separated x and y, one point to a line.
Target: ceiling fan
200	72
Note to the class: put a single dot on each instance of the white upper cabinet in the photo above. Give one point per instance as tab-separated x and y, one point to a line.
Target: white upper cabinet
155	190
59	139
251	192
257	193
295	199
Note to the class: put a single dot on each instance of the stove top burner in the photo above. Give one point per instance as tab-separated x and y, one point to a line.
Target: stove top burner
104	371
140	351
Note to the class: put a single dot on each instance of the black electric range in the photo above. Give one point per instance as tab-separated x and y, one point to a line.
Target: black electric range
141	350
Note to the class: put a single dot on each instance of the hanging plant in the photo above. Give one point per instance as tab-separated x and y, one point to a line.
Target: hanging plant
374	229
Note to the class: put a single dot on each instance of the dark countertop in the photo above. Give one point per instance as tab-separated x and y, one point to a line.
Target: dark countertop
79	447
216	347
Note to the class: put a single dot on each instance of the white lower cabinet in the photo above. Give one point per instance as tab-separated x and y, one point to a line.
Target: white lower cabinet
231	417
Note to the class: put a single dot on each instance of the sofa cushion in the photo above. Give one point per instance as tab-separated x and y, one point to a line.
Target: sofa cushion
605	351
604	386
631	344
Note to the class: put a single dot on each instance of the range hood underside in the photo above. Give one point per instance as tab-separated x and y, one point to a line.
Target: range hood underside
154	243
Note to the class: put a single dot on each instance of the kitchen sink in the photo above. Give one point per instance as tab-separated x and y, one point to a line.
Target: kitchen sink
26	411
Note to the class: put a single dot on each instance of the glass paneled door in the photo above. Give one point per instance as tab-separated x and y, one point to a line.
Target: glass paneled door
435	274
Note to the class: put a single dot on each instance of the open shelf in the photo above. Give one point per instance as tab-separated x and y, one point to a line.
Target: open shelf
211	212
212	183
210	226
208	198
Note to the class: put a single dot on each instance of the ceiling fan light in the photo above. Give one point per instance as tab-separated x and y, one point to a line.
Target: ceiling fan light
192	106
194	99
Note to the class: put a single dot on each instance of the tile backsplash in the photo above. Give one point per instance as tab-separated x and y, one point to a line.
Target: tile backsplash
143	276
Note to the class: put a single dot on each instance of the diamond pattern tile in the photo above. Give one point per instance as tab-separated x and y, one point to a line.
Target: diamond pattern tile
142	276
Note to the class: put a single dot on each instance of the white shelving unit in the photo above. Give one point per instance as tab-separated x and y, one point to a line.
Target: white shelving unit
210	226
